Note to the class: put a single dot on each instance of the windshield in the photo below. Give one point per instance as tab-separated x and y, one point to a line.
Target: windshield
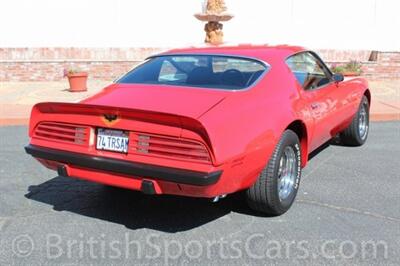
205	71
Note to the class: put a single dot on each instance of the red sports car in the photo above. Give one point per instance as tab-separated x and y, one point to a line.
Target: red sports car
206	122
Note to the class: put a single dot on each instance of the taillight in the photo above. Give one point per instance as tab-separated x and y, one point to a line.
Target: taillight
62	132
174	148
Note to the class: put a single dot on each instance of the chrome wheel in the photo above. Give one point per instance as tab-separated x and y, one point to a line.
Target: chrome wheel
363	122
287	173
276	187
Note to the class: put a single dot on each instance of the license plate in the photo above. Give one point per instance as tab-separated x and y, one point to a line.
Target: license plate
112	140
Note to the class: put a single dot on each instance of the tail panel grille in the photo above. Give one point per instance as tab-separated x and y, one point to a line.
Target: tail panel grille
175	148
63	132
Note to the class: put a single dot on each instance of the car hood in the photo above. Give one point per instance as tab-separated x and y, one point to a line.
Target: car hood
183	101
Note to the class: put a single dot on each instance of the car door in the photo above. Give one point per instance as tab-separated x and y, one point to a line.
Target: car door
320	93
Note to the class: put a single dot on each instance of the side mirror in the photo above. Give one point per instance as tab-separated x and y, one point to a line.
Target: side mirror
337	77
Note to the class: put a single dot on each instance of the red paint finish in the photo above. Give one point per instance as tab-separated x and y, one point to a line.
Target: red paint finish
235	131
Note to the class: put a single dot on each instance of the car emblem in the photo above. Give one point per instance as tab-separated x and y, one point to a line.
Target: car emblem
110	117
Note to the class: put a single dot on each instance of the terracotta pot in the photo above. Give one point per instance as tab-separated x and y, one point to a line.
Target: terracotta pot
351	74
77	81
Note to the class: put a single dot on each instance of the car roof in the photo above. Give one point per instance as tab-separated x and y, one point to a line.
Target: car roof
267	53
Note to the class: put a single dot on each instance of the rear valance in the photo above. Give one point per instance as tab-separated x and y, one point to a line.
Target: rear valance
125	167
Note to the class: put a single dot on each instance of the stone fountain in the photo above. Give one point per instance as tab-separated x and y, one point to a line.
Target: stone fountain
214	12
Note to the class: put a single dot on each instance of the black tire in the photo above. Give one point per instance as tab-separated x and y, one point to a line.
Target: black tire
353	135
263	196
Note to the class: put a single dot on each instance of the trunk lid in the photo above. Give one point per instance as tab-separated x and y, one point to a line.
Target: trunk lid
182	101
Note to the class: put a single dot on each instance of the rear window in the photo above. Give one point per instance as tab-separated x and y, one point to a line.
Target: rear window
205	71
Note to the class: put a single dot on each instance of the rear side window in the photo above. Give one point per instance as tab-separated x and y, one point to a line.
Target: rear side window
169	73
309	71
205	71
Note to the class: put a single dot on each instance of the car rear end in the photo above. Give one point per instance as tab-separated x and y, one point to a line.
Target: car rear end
140	150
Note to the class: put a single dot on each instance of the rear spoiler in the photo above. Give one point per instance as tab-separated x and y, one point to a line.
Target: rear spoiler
45	110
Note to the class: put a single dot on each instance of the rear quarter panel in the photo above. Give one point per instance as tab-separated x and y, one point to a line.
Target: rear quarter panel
245	128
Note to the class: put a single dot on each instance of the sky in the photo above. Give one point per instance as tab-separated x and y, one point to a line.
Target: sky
339	24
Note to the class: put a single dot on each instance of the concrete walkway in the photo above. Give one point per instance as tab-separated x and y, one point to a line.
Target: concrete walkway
17	98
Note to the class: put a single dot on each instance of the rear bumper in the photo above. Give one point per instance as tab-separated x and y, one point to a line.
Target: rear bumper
125	167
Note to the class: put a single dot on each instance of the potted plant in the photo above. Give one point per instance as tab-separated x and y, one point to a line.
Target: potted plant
77	79
352	68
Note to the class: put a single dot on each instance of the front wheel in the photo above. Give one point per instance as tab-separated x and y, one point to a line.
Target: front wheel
276	187
357	133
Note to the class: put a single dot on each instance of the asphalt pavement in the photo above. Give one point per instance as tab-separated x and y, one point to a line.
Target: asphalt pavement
347	212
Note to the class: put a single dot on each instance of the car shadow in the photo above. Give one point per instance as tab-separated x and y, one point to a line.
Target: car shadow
133	209
319	150
335	141
136	210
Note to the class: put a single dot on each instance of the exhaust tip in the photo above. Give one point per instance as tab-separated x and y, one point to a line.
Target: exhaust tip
147	187
217	198
62	171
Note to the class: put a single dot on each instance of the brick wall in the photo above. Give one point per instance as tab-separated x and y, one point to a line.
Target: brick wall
54	71
48	64
387	66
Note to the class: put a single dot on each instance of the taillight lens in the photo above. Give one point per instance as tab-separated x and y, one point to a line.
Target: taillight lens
175	148
62	132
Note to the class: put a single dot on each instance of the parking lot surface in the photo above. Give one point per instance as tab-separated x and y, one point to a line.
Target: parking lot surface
347	212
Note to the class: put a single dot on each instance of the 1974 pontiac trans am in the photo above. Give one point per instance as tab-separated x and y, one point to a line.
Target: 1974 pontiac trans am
206	122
